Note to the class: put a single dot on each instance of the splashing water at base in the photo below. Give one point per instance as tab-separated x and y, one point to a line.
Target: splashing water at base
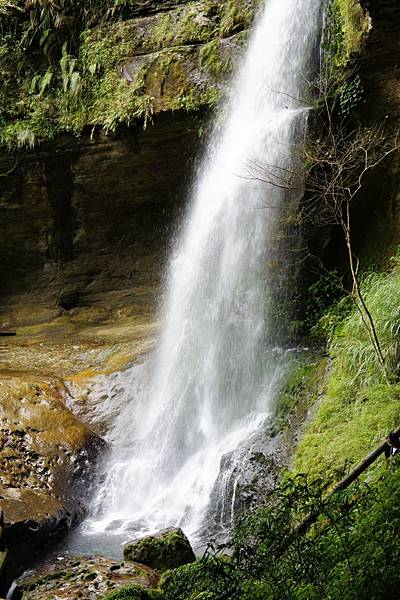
209	384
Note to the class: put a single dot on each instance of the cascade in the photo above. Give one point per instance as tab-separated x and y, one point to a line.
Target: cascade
208	386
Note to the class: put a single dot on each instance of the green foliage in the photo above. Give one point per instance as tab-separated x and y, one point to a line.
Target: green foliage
60	63
202	580
351	94
333	318
351	553
351	346
321	295
132	592
40	83
358	408
70	77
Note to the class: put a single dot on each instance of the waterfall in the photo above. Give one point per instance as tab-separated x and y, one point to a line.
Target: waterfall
209	384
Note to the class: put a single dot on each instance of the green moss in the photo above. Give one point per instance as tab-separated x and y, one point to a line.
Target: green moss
188	25
133	592
347	28
359	408
234	14
346	31
201	22
79	82
347	427
300	388
354	25
213	60
191	100
164	551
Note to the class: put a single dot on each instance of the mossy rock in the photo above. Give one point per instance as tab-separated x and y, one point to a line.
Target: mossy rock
133	592
87	578
167	549
167	57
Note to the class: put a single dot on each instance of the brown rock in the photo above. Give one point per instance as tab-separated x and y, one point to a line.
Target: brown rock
82	577
88	221
46	458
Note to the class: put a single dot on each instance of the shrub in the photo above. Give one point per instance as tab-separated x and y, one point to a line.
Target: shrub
132	592
350	553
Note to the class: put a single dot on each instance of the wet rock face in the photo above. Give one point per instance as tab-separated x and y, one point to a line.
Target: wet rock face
167	549
246	476
381	71
87	222
46	461
81	578
376	215
88	219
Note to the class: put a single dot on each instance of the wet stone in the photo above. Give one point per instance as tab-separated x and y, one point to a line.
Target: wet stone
167	549
76	577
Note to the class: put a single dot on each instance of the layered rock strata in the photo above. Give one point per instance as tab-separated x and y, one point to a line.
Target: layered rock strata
46	462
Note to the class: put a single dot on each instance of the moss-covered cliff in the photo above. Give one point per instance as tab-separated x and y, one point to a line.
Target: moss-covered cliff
65	68
88	216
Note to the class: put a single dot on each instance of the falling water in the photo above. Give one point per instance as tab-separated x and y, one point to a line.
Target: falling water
209	384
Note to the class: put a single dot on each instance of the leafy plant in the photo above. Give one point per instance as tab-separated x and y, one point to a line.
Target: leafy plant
71	79
351	94
40	83
350	553
322	294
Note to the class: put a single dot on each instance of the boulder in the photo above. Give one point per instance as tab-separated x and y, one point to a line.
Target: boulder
167	549
82	578
46	460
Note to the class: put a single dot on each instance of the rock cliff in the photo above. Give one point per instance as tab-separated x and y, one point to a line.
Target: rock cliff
87	218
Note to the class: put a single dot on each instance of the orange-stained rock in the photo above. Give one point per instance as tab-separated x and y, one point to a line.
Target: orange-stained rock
46	463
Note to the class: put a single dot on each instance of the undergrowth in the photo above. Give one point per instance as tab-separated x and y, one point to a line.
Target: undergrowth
359	408
351	550
350	553
69	65
133	592
61	63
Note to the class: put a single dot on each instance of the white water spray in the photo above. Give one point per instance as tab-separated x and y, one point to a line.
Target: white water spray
208	386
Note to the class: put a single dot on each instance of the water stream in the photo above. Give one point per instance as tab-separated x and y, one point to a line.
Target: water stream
208	387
